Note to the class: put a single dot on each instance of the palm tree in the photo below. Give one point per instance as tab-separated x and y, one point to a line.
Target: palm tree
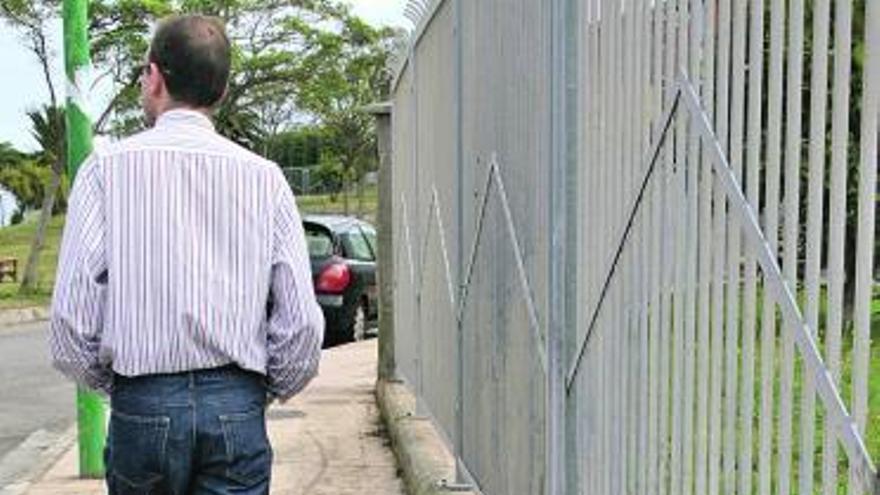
49	131
9	155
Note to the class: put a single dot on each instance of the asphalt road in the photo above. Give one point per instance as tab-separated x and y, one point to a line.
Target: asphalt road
32	394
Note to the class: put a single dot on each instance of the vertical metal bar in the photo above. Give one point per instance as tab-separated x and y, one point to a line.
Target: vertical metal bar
734	250
631	163
642	142
605	412
604	133
581	388
753	152
598	171
706	245
866	217
654	439
621	172
715	401
573	284
578	460
667	268
654	340
771	228
593	156
793	127
722	125
458	67
723	128
415	233
607	461
595	412
591	463
716	438
558	222
818	118
692	28
680	214
633	271
613	170
615	330
837	220
387	369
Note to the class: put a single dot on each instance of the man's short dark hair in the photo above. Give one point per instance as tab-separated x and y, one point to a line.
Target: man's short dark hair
193	54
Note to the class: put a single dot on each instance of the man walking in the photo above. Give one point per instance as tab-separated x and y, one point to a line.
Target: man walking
184	288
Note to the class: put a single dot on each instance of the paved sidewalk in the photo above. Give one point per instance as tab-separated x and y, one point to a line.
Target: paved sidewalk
327	441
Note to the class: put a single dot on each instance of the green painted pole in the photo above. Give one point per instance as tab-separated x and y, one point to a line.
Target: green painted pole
91	412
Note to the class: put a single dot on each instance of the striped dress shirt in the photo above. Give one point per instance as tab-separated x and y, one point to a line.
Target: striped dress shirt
184	251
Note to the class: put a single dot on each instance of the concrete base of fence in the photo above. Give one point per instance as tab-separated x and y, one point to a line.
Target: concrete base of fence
426	464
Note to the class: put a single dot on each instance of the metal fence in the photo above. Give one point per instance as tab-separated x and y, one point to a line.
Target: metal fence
622	236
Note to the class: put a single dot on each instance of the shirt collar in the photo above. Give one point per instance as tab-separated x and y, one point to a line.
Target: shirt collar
184	117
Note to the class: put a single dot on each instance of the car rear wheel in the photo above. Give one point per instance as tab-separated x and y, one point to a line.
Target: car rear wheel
359	323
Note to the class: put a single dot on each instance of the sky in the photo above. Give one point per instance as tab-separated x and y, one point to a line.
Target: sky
22	86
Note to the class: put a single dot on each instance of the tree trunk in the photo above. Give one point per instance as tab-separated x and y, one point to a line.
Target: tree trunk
360	194
31	279
345	192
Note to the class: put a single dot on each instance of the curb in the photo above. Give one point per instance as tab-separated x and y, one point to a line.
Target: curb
426	464
33	459
12	317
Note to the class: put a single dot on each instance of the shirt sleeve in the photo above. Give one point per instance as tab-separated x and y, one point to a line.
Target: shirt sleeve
295	321
79	299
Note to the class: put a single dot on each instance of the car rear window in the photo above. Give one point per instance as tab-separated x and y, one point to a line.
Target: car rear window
370	234
357	246
319	241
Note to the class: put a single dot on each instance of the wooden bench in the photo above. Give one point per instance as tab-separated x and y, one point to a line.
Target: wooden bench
9	268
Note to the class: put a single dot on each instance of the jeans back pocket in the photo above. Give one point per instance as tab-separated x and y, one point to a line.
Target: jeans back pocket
136	453
248	453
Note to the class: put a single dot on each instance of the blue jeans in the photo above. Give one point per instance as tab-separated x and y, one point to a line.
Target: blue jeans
194	433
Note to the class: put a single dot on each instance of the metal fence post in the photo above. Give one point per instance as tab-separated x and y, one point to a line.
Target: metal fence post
460	476
421	409
385	269
558	265
573	20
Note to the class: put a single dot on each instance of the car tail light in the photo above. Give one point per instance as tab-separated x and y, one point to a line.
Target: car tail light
334	279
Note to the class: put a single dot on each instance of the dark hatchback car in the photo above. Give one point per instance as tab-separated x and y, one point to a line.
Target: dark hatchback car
343	254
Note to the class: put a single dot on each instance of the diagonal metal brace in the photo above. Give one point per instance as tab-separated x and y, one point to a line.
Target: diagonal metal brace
435	217
845	425
494	177
665	125
407	241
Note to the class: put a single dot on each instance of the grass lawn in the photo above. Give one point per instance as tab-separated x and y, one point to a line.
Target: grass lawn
872	433
325	203
15	242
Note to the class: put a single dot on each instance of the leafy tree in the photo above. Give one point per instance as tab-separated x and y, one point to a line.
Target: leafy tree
300	147
343	69
49	130
27	182
331	174
265	57
9	156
